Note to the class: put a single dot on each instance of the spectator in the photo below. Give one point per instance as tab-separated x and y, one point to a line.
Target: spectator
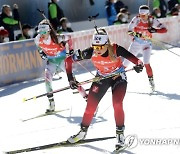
178	7
172	3
26	32
156	13
174	12
3	35
110	11
67	39
118	5
161	4
121	19
7	20
35	32
64	26
55	13
126	12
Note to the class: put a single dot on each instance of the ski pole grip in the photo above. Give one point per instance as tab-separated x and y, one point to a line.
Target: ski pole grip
90	18
41	11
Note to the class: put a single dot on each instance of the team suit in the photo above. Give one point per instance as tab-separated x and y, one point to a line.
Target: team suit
141	42
98	89
105	66
55	55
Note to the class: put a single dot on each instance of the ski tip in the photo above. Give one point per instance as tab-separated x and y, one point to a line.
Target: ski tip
24	99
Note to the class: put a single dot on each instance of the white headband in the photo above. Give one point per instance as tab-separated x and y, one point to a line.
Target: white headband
143	11
43	28
99	39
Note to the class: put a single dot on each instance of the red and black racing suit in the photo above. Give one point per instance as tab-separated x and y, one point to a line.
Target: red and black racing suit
98	89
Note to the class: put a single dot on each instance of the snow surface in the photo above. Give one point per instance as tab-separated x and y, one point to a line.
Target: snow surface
146	116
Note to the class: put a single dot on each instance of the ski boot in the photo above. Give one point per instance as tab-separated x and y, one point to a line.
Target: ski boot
152	85
51	105
56	76
79	136
120	140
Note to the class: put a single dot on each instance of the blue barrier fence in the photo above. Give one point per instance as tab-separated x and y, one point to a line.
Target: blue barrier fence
19	61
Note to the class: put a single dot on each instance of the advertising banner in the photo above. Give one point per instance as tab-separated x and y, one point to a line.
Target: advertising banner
19	61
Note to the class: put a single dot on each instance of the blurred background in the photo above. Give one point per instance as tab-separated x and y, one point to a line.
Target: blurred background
74	10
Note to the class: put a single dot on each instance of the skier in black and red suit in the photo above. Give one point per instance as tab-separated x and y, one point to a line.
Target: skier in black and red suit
106	57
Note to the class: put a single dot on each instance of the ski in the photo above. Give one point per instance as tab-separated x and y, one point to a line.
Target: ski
44	114
120	150
145	93
58	145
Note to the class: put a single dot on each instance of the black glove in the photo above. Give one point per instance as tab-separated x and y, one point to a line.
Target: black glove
152	30
138	68
134	34
138	34
43	55
63	43
73	84
71	52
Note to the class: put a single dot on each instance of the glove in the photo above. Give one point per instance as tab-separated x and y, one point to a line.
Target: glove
73	84
136	34
139	67
152	30
43	55
71	52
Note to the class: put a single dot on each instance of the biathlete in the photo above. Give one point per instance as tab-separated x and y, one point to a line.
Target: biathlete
106	58
52	49
141	28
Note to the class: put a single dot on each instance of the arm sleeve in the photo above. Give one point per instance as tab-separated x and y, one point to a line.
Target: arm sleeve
41	52
77	56
10	21
108	11
16	14
68	67
126	54
53	11
133	24
159	26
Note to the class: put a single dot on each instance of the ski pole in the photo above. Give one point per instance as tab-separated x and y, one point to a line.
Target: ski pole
75	92
95	79
93	18
156	42
175	46
163	47
42	13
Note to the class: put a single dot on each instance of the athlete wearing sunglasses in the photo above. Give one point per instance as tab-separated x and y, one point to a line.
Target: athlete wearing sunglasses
52	49
106	58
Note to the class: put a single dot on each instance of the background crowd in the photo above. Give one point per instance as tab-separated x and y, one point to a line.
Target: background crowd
116	12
